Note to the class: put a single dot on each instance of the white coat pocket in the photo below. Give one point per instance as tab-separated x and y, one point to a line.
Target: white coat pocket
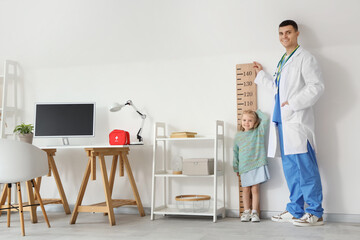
287	113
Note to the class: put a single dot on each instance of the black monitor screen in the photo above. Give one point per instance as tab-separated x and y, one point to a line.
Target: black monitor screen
64	119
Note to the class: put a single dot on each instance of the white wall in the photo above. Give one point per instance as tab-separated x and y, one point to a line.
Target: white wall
176	61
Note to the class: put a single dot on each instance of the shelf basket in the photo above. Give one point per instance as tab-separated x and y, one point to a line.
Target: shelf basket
193	203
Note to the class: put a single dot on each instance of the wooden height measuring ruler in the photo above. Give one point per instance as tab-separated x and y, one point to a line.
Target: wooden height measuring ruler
246	98
246	94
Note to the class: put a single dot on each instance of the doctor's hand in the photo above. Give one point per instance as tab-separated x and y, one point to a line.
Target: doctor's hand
284	103
257	67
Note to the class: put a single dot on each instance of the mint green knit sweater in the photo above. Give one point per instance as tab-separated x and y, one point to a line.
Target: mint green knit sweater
249	147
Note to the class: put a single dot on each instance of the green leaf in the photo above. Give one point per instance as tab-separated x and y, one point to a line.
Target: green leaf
24	128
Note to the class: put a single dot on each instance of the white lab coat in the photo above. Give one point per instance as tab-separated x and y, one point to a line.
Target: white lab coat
301	84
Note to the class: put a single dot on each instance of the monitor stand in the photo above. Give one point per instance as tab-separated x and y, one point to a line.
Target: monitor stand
65	141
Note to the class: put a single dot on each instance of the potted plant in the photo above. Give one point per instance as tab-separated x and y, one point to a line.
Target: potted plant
25	132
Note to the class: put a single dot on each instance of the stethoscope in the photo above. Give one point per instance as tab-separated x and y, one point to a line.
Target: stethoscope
280	66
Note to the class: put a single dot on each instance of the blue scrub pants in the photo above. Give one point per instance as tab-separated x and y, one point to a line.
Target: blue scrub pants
303	179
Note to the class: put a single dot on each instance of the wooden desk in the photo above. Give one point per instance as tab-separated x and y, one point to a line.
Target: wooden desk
119	153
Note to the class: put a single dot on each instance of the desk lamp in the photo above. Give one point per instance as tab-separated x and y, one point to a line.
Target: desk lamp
117	107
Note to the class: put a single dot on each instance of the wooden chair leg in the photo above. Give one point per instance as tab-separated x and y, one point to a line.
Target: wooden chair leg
9	204
21	212
3	196
40	201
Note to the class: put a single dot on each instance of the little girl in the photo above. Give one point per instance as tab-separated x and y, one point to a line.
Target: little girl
250	162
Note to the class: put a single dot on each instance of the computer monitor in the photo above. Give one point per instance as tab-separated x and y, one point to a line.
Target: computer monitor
64	120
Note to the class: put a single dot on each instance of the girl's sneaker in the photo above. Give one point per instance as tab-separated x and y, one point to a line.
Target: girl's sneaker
255	217
246	216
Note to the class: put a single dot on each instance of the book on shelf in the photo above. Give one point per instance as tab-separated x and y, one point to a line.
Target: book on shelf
183	135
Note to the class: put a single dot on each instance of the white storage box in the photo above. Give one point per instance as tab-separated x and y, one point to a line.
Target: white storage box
198	166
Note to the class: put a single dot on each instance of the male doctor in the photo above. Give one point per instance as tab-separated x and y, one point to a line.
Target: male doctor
297	85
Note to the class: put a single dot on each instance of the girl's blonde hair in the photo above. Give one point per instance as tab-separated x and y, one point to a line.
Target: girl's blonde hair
254	115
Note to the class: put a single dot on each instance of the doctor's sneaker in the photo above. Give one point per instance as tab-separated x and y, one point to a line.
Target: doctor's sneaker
309	220
246	216
284	217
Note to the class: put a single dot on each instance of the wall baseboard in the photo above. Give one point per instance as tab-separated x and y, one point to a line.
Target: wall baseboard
232	213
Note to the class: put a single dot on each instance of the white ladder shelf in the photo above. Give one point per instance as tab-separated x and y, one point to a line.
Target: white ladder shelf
8	98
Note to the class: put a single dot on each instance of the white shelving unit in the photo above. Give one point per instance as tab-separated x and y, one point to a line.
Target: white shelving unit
8	98
8	103
162	171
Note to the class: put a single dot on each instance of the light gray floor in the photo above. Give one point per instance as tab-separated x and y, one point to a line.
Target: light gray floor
96	226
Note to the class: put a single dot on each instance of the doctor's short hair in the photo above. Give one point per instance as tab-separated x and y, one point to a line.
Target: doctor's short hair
289	22
254	115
